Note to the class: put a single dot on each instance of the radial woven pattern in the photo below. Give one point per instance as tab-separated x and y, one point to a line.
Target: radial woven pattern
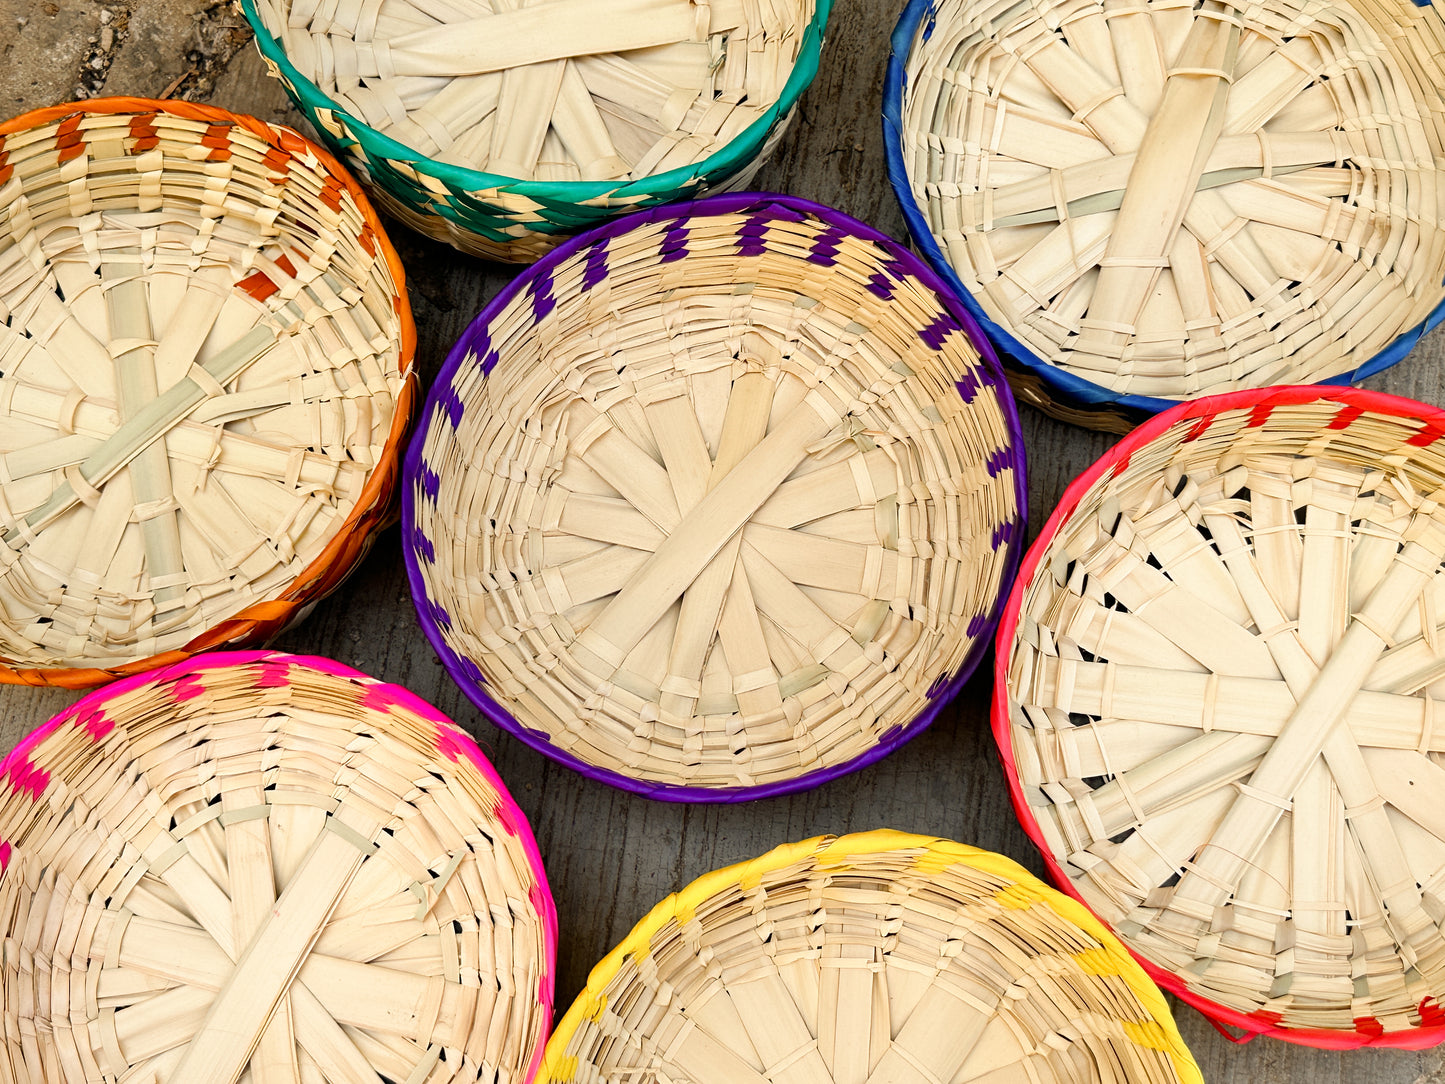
266	868
496	125
206	358
1166	199
1218	678
721	500
882	957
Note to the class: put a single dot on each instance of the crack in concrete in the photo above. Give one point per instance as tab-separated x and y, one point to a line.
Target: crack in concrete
105	46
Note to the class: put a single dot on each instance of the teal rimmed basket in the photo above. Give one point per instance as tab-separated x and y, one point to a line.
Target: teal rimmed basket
500	217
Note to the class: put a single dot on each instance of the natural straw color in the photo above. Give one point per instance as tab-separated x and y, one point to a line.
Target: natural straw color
717	501
205	379
883	957
1167	199
270	869
1220	669
560	92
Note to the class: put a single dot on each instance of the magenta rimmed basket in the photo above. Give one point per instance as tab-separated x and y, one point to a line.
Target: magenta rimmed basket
253	859
788	290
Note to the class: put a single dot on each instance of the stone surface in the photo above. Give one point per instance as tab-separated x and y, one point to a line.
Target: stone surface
611	856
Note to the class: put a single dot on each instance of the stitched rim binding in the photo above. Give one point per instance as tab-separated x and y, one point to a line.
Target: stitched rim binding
374	507
1261	403
274	670
885	857
568	206
539	278
1047	386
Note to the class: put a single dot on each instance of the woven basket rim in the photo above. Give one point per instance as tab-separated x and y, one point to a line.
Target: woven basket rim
741	148
727	203
1068	386
838	848
463	743
382	477
1114	460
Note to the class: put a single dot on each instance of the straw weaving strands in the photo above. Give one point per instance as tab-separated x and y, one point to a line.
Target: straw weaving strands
1169	199
1221	704
552	90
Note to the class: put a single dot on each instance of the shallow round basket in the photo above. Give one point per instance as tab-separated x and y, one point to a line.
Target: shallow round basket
1148	203
880	956
1216	680
503	127
716	502
266	867
206	352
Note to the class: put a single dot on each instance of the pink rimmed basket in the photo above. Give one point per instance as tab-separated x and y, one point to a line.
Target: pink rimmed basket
267	866
1214	700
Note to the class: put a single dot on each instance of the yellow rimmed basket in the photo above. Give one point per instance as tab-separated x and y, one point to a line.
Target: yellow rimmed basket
878	956
205	382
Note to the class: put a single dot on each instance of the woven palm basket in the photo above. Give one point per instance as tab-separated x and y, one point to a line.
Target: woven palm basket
881	956
1152	202
502	126
1216	686
717	501
266	868
205	383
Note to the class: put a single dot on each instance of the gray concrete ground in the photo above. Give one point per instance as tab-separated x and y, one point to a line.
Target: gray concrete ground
611	856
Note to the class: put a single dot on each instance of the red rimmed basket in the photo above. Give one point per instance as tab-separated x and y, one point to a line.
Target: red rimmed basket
207	379
262	866
1214	707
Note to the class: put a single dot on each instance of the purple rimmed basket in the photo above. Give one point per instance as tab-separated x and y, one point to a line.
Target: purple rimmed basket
717	501
259	864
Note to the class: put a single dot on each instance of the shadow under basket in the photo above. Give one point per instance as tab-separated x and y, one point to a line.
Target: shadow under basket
503	128
1152	204
207	358
1214	698
880	956
267	867
716	502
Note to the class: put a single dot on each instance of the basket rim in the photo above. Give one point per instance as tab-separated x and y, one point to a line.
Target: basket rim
1115	460
711	205
380	482
740	149
464	743
830	850
1068	387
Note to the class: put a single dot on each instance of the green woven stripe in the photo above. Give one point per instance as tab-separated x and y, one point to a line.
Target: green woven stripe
468	196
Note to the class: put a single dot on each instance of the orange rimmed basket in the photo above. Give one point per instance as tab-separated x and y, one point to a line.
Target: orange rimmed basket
1214	702
207	381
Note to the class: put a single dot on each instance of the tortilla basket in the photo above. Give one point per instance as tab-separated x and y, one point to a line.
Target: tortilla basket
717	501
1147	203
503	127
268	867
881	956
1215	693
206	352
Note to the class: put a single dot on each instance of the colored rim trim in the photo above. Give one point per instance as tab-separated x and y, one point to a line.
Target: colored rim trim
461	742
1070	389
831	850
1261	401
730	203
374	508
730	158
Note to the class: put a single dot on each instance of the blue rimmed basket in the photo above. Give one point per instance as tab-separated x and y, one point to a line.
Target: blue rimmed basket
502	214
717	501
1258	201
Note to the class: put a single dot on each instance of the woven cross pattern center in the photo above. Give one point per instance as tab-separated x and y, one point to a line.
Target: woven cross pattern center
856	962
560	90
265	871
198	373
1222	698
711	533
1172	198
